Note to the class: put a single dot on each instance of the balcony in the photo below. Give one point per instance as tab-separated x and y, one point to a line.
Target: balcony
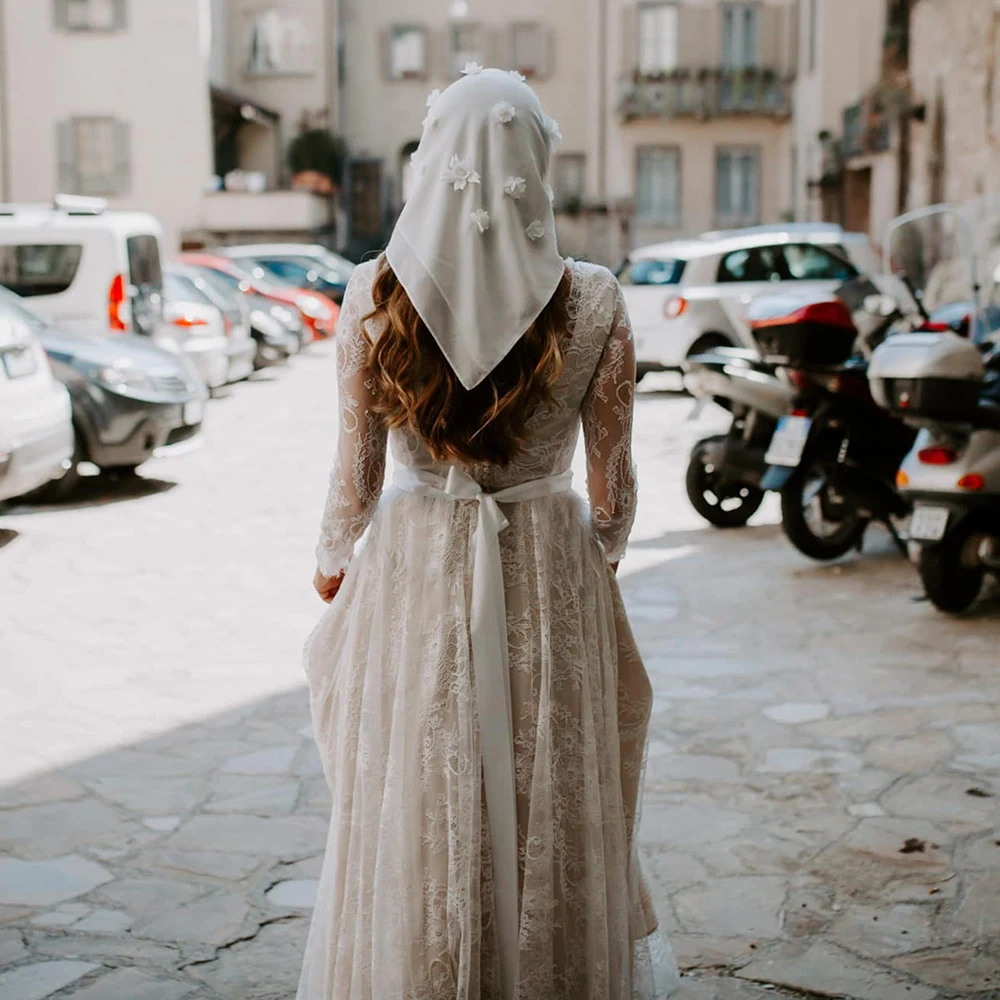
707	93
264	212
866	130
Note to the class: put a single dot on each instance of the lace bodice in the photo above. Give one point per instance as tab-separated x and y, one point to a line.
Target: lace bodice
596	391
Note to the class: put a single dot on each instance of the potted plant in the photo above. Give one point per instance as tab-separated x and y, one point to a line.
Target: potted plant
316	159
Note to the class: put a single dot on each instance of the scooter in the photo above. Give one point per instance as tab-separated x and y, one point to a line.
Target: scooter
834	456
725	471
942	384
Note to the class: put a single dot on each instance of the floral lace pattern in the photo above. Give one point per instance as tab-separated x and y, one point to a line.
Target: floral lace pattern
405	907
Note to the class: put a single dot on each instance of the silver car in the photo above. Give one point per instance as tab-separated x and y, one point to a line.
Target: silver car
688	296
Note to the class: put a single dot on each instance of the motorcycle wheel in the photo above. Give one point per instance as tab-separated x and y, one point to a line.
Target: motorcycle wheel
725	505
949	582
817	526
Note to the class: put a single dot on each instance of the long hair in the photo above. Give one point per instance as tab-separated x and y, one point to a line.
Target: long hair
416	388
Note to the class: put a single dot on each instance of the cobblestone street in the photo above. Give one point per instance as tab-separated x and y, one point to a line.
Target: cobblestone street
822	804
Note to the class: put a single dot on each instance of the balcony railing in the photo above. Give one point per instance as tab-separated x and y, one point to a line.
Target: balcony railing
866	130
706	93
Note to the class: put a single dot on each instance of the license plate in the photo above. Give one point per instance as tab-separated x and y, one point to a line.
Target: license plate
19	362
929	524
193	412
789	441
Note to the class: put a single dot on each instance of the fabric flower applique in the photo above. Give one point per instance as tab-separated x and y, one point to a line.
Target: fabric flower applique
504	112
515	187
536	230
460	173
481	220
549	192
552	130
517	75
432	98
472	69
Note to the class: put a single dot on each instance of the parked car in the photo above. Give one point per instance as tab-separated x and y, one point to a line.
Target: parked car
130	399
276	329
687	297
82	264
319	313
195	329
36	430
310	267
191	302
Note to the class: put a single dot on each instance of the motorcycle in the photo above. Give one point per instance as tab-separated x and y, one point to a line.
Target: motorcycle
834	456
724	473
947	384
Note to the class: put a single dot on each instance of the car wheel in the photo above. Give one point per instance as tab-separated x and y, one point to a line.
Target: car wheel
722	502
951	576
642	370
709	342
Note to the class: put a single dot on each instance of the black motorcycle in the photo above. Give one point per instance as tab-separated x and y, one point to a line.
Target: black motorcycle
834	457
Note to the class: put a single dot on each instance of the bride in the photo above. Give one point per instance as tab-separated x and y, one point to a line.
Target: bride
478	699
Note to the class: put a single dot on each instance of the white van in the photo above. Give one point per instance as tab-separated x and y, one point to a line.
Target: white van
79	264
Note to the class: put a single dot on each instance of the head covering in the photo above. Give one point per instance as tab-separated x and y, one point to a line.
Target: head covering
475	245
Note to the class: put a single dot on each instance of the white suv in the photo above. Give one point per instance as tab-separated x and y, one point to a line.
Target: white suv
689	296
84	266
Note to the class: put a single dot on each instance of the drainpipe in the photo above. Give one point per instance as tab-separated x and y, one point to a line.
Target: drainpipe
5	191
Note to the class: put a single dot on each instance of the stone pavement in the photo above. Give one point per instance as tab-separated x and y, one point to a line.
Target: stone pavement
822	808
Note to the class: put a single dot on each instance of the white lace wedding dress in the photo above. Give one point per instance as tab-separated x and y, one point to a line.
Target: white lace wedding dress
405	909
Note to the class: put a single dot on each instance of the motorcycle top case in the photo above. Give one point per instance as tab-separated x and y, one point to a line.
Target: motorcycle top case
801	331
935	376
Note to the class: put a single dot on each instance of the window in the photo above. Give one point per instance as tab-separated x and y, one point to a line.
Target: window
736	187
812	28
407	53
739	36
90	15
144	262
807	262
657	38
652	272
466	47
94	156
280	43
658	185
752	264
529	45
39	269
570	180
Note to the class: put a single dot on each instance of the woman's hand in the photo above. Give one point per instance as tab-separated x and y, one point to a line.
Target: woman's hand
327	586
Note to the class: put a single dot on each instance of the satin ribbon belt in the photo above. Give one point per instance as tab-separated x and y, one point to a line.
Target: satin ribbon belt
491	667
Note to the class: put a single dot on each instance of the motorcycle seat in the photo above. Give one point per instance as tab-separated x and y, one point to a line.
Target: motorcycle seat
722	357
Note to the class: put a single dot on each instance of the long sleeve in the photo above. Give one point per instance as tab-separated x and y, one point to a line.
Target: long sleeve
607	430
359	468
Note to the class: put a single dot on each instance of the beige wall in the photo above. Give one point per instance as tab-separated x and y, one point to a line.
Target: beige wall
381	116
160	90
848	53
955	56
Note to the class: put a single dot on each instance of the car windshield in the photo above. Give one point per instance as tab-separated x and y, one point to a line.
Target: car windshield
652	271
179	288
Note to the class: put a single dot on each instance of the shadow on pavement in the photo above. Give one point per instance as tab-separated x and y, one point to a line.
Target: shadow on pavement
7	535
98	491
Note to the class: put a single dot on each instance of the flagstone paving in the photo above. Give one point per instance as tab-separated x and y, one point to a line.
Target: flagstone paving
822	806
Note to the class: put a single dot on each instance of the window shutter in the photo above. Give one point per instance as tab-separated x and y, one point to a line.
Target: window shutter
491	40
546	49
67	180
699	36
61	15
630	40
121	179
121	15
385	52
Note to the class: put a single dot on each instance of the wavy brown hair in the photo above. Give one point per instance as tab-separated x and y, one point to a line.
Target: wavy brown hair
416	388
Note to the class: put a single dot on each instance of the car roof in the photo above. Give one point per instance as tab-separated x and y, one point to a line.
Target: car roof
255	249
717	244
49	217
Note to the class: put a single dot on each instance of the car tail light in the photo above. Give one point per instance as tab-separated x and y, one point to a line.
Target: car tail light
187	321
675	306
902	479
937	456
973	481
118	305
799	379
799	413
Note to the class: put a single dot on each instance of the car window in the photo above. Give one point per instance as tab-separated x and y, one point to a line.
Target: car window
649	271
179	288
751	264
808	262
39	269
144	261
331	275
285	269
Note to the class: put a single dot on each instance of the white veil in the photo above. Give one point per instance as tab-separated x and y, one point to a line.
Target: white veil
475	245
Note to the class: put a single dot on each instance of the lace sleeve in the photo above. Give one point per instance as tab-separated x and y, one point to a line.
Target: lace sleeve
359	467
607	429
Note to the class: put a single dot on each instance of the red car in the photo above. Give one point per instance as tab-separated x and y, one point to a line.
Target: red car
319	313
